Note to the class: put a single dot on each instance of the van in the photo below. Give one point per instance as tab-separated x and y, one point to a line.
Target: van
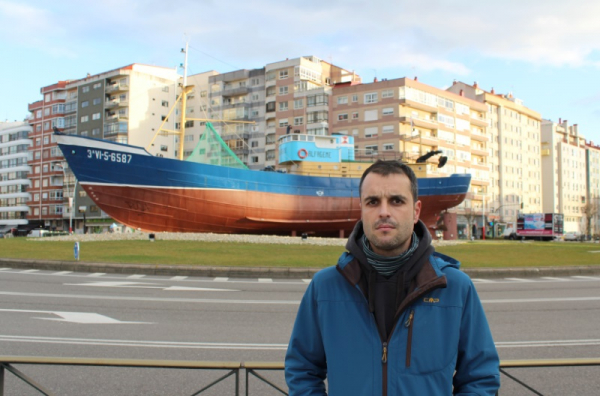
37	233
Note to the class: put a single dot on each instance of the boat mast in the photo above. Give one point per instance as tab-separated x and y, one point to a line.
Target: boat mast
184	93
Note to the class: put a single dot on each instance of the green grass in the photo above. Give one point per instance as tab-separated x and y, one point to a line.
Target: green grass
470	254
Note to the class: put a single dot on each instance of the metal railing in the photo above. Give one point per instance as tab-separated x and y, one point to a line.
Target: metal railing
233	368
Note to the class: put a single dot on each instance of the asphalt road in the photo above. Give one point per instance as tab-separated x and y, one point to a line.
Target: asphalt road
48	313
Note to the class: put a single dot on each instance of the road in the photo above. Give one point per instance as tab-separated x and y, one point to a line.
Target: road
68	314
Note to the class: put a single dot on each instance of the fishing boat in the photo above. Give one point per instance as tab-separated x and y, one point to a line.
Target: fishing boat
314	190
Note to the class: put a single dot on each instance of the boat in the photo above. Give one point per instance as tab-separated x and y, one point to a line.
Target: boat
156	194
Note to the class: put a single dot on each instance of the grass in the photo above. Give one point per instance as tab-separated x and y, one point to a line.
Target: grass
471	254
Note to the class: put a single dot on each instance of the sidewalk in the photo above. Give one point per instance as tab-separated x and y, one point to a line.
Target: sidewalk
267	272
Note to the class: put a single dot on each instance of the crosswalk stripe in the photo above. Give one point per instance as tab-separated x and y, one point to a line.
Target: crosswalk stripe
63	273
478	280
136	276
306	280
4	269
555	279
519	280
176	278
586	277
97	274
266	280
221	279
29	271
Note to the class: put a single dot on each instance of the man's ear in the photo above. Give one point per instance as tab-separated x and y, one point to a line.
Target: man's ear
417	211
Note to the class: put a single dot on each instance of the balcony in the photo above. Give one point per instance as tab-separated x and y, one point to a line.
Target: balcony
109	104
419	122
238	91
479	151
482	122
117	118
120	87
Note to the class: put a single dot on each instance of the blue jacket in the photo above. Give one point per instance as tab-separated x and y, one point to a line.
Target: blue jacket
441	344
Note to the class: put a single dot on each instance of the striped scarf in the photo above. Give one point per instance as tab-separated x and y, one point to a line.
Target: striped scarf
387	266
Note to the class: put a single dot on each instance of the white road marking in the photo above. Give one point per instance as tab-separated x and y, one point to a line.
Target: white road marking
478	280
520	280
63	273
96	274
74	317
306	280
155	299
146	344
221	279
178	278
265	280
555	279
136	276
4	269
541	300
29	271
586	277
530	344
146	285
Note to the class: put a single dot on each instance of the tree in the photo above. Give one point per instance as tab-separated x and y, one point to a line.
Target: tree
590	210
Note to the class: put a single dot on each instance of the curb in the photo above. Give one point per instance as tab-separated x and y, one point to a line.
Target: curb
271	272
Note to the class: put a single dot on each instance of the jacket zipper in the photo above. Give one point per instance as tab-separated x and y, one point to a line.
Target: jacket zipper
409	324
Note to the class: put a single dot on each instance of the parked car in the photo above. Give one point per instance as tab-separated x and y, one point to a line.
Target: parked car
573	236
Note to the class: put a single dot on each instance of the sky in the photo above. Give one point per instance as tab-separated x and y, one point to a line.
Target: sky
546	53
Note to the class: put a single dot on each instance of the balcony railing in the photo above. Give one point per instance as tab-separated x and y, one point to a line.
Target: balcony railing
116	87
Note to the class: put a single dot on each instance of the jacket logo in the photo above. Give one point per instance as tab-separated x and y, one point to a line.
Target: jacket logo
431	300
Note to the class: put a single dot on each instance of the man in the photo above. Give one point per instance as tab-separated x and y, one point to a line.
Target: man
393	317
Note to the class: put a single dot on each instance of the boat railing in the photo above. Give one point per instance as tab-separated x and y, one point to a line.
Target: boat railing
251	369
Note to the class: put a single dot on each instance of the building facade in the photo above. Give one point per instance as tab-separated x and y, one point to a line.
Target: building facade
592	206
406	119
515	176
14	153
126	105
565	173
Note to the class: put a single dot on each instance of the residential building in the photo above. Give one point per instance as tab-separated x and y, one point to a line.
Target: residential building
126	105
14	152
515	176
298	95
45	159
564	164
406	119
592	207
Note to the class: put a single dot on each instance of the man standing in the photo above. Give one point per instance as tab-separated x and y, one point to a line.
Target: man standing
393	317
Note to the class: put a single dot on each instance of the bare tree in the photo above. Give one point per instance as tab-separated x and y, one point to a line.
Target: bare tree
590	210
470	216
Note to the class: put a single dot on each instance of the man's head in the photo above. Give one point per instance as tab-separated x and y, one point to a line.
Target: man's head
389	206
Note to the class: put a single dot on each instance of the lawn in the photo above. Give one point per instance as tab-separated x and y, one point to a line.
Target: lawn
470	254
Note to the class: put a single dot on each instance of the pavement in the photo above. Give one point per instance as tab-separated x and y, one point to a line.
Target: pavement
268	272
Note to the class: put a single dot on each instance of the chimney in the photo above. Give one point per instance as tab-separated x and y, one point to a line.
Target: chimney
475	85
375	80
416	79
560	120
462	93
493	91
454	82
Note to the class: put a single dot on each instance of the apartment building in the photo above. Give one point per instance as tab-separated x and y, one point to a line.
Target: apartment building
14	152
564	164
126	105
592	207
45	159
406	119
515	176
298	93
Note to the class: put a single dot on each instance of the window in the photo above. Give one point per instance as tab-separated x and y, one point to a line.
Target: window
93	208
97	101
85	118
164	103
283	90
254	159
387	94
298	120
97	85
283	106
283	122
83	133
254	144
298	103
370	115
96	131
354	98
371	150
387	129
283	74
388	146
387	111
85	89
371	97
342	100
355	115
96	116
371	132
342	117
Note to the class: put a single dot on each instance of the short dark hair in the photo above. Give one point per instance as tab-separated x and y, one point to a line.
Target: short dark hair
385	168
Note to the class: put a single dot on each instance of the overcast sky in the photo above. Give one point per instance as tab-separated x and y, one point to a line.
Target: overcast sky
546	53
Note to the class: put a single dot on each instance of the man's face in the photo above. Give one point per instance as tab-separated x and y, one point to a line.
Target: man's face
388	213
